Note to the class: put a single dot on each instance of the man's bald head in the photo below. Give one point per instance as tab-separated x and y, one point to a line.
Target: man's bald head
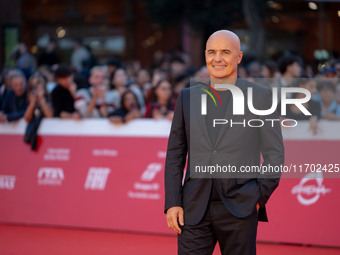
226	35
223	54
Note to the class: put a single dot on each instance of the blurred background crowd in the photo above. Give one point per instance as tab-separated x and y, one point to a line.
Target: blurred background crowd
76	59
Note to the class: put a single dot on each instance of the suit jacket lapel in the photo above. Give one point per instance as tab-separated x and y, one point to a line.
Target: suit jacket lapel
201	119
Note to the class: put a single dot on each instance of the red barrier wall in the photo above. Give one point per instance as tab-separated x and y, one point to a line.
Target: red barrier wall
95	175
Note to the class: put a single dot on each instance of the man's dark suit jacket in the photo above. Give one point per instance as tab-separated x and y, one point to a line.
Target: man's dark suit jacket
244	146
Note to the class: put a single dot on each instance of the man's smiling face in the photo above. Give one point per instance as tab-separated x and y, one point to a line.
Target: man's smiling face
222	54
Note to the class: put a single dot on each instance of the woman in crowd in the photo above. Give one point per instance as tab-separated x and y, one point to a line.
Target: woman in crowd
159	74
314	107
119	84
143	80
37	109
269	70
330	110
38	98
160	103
143	76
128	110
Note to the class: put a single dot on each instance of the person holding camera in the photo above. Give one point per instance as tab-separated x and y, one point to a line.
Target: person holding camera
37	98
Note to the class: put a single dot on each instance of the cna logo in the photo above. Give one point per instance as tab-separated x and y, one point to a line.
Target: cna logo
50	176
145	188
310	188
97	178
7	182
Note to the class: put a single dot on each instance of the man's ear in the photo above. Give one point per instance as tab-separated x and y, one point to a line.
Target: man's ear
205	55
240	55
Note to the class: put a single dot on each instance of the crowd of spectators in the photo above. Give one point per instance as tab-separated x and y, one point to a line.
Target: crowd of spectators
122	92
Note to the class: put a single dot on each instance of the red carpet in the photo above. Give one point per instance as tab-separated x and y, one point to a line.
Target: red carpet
27	240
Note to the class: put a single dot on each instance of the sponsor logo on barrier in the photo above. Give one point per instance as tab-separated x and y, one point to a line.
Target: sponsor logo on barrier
161	154
97	178
150	173
50	176
104	153
7	182
310	189
145	188
57	154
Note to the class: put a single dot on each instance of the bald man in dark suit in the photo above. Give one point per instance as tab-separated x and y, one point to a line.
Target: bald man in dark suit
205	210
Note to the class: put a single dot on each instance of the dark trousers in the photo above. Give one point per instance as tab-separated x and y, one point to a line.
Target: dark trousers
235	236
